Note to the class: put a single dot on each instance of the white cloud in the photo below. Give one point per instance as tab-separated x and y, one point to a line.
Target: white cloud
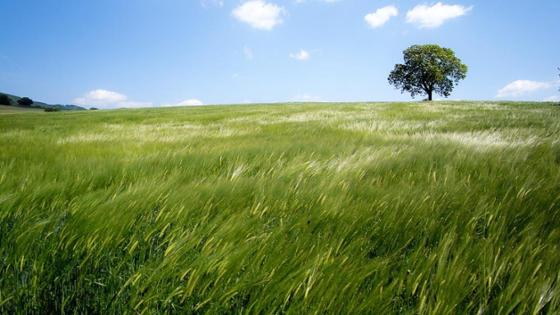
381	16
189	102
108	99
426	16
248	52
522	87
259	14
301	55
101	96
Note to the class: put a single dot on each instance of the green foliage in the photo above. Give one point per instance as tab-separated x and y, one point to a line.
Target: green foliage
52	109
5	99
451	208
428	69
25	101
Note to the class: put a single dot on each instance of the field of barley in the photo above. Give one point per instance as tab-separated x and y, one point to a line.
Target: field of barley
356	208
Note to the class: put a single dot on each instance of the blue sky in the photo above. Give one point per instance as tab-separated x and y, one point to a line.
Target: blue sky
131	53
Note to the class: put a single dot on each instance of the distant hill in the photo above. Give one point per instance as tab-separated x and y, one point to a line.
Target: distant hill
41	105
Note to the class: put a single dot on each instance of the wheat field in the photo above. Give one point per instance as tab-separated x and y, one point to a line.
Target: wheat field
351	208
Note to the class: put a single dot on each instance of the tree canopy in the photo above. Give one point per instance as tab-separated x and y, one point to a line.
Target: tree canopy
25	101
5	100
428	69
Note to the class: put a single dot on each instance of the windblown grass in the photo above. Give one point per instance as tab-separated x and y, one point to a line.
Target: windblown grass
444	208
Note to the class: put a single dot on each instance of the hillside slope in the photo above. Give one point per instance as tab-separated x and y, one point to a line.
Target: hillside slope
41	105
384	208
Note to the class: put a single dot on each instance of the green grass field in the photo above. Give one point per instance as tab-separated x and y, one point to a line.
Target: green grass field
381	208
4	109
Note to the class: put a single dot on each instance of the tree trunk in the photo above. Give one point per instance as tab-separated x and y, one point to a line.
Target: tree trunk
430	95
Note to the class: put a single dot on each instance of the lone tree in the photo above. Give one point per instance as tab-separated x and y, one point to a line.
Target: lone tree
5	100
25	101
428	69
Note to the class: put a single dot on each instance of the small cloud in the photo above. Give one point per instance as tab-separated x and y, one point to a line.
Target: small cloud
248	52
301	55
522	87
381	16
101	96
259	14
108	99
426	16
189	102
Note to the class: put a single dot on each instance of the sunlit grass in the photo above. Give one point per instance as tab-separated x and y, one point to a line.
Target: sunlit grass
443	208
